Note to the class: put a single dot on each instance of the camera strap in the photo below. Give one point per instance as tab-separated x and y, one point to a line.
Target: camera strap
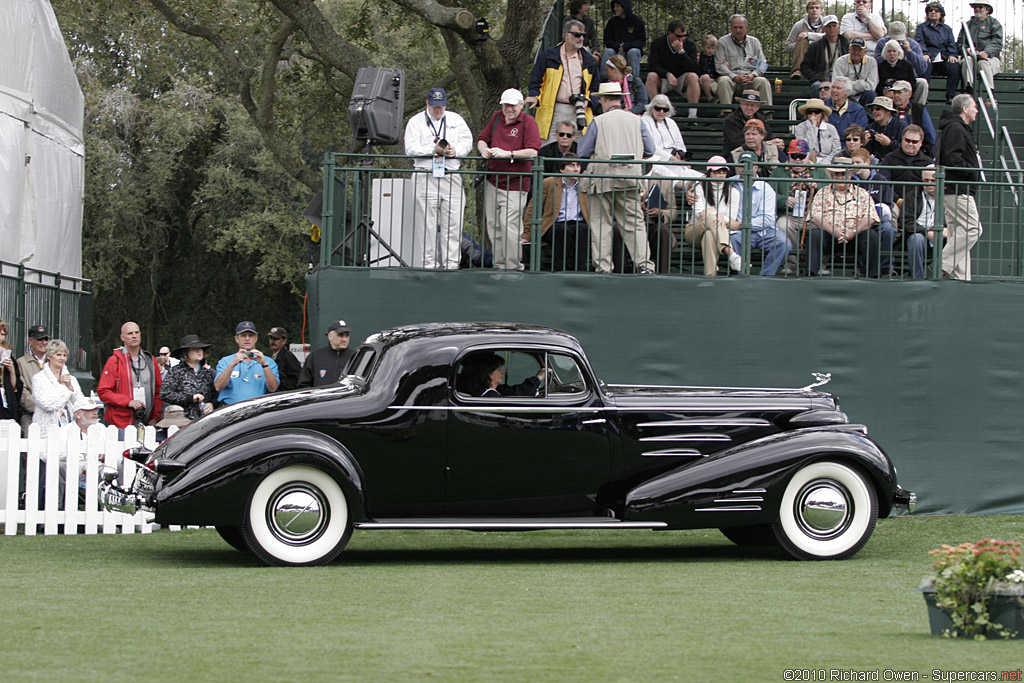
441	129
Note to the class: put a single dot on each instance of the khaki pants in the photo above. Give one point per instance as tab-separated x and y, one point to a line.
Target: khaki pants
503	218
622	207
989	66
727	89
798	53
964	227
712	237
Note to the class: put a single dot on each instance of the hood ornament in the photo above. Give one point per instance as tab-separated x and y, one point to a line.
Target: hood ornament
820	379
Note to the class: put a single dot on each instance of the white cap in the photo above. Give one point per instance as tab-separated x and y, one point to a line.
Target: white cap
511	96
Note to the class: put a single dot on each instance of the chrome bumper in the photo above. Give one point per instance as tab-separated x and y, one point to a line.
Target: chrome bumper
116	499
904	500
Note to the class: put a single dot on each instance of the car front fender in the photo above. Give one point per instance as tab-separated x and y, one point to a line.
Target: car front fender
215	490
744	485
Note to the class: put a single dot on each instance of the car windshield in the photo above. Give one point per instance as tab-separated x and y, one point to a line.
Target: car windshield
363	362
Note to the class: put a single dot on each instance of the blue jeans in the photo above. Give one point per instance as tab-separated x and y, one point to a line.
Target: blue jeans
773	242
632	59
886	236
917	252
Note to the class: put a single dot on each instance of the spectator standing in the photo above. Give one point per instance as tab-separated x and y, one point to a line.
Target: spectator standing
10	385
821	136
863	23
707	76
987	35
288	366
913	53
957	149
912	113
803	34
246	373
754	142
580	11
662	128
845	112
860	70
616	134
55	390
27	367
165	360
563	75
437	137
190	383
820	59
672	63
509	142
130	384
327	365
564	216
740	60
885	130
732	127
624	34
764	232
634	95
842	214
565	143
940	50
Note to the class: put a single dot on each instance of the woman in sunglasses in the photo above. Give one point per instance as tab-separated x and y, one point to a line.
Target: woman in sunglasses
820	135
855	138
663	128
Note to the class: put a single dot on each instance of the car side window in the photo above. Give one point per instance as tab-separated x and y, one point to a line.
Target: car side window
518	374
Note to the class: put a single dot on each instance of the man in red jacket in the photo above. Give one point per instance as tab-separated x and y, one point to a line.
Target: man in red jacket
130	384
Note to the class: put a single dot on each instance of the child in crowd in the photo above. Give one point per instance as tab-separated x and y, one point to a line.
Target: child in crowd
706	67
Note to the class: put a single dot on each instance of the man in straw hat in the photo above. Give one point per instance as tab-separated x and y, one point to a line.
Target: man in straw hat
843	214
616	135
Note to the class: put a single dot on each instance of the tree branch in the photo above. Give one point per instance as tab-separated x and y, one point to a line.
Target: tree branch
334	50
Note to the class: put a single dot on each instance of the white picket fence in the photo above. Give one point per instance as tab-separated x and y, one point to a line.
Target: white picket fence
44	456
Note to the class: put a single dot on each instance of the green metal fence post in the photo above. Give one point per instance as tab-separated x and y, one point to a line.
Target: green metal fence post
748	203
327	212
537	184
940	221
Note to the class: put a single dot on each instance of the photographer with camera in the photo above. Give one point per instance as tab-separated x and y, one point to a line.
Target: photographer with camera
561	82
130	384
437	137
247	373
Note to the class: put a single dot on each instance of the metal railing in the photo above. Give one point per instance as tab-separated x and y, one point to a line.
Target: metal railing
371	220
37	297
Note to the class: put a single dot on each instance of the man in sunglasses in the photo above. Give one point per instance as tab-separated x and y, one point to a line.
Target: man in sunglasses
28	365
564	143
911	156
673	65
561	79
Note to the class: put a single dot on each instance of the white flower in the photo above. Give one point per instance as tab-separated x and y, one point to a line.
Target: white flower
1016	577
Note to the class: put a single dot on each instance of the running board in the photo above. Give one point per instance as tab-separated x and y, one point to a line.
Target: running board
510	524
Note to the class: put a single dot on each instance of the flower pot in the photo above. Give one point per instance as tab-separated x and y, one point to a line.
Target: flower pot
1005	610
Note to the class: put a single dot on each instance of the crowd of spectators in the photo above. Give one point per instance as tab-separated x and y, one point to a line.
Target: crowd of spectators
868	84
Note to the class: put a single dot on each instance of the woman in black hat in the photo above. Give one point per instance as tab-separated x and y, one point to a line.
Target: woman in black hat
189	384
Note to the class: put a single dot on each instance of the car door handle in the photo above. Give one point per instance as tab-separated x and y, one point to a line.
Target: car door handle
595	421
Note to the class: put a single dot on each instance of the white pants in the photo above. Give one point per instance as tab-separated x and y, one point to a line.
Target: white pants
437	226
503	217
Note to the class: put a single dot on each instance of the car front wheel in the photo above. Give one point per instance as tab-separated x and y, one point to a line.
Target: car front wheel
828	512
297	515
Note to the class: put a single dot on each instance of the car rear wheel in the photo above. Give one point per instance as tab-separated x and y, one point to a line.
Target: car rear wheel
297	515
752	535
828	512
233	536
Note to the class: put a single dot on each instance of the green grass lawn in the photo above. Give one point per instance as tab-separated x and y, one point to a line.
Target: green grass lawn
456	605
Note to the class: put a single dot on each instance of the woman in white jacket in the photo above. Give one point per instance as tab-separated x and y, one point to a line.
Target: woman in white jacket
817	132
54	389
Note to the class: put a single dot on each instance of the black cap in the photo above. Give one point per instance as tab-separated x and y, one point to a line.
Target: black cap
37	332
338	326
278	333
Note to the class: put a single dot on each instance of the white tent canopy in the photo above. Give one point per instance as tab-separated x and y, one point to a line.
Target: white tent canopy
42	152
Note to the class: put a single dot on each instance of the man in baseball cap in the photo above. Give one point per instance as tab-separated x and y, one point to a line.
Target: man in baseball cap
247	373
288	365
27	367
327	365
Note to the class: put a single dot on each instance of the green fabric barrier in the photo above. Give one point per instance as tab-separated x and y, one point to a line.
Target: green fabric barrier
932	368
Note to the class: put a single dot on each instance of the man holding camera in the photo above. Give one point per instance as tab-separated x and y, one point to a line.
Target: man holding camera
437	137
561	81
247	373
130	384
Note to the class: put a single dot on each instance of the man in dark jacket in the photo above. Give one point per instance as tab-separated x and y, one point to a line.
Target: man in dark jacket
624	34
673	65
734	123
822	54
957	150
328	364
288	365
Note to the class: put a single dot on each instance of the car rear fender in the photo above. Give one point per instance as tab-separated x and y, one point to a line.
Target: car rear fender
744	485
216	490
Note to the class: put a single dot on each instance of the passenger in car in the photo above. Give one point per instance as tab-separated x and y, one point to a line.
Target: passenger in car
485	375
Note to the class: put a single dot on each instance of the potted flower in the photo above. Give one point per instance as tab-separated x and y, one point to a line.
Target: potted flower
977	590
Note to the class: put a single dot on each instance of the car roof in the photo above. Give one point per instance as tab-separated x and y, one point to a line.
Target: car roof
465	334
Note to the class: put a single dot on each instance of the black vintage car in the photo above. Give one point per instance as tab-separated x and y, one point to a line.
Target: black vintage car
426	432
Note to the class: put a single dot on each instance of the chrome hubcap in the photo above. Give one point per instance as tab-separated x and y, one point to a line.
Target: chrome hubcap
297	513
823	509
